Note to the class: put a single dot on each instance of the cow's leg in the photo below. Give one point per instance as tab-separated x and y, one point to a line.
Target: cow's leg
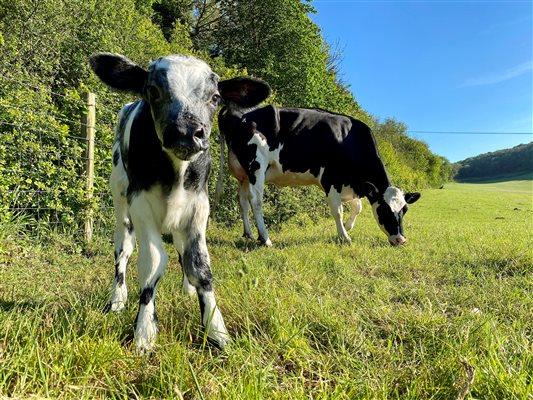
256	200
244	205
356	205
151	266
124	239
335	205
196	265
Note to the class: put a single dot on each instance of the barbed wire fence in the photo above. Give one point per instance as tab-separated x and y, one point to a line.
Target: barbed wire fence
54	168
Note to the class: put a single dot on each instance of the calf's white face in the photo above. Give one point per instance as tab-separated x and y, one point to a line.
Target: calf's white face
182	93
389	209
183	96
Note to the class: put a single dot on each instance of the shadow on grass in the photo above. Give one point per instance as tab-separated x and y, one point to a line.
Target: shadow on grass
247	245
23	306
506	268
62	317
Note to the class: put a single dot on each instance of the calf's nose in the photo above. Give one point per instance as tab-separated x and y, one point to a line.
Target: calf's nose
183	136
199	133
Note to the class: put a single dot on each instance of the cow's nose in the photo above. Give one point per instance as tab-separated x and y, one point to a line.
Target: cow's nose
397	240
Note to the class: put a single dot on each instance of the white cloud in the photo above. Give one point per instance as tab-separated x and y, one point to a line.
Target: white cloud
510	73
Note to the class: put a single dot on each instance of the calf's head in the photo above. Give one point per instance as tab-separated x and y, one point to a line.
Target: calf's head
389	209
182	92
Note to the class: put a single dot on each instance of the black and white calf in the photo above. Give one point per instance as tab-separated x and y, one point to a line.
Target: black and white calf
294	147
161	162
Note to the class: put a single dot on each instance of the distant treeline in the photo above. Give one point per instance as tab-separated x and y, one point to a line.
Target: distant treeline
46	44
513	161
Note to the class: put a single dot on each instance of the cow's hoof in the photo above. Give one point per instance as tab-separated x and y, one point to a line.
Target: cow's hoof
247	236
266	243
345	240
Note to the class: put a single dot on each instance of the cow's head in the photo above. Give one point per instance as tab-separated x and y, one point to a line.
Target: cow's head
183	93
389	208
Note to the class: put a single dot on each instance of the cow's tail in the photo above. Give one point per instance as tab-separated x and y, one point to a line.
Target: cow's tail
220	181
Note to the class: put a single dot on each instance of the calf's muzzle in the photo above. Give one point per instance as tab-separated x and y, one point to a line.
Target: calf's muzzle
185	140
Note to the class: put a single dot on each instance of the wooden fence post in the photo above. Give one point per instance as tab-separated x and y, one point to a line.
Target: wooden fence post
88	127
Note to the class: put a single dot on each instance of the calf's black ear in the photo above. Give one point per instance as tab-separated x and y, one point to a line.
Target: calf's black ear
410	198
245	92
119	72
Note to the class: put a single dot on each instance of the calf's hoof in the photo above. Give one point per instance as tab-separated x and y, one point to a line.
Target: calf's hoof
214	326
220	340
145	339
145	332
115	307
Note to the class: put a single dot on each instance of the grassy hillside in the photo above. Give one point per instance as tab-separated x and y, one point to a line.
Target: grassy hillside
522	183
448	315
499	165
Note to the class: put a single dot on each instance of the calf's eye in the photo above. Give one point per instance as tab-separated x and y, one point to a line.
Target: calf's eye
215	99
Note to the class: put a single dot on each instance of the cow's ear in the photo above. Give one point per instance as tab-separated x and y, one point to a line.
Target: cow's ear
119	72
370	190
245	92
410	198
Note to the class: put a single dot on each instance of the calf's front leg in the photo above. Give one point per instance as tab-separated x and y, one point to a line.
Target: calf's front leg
124	239
151	266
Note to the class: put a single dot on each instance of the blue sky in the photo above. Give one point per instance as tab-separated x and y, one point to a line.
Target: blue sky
439	66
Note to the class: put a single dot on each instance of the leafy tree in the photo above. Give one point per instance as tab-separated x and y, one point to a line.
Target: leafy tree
276	40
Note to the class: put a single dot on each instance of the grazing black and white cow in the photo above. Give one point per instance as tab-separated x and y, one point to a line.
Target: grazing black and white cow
294	147
161	162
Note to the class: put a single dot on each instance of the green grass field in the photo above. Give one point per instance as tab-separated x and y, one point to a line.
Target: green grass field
517	183
447	316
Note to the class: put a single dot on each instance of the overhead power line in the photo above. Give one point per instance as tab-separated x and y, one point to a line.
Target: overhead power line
471	133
